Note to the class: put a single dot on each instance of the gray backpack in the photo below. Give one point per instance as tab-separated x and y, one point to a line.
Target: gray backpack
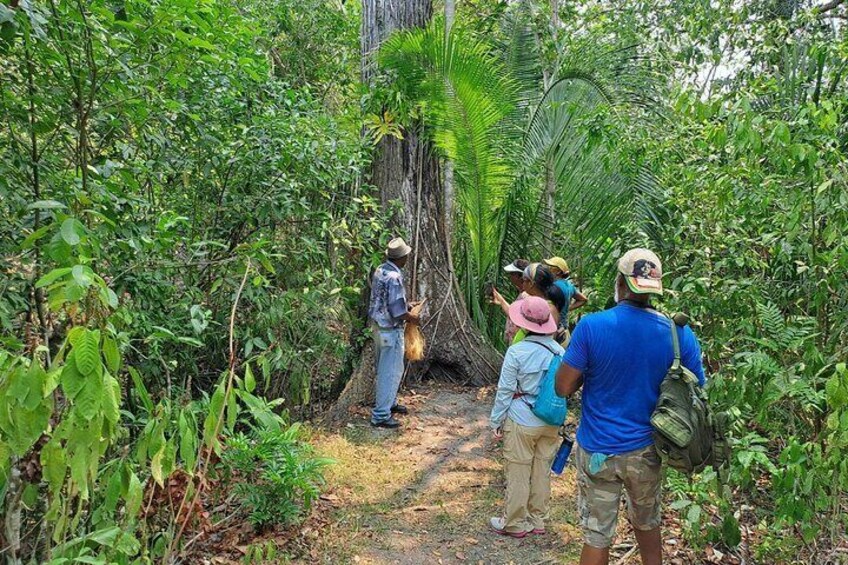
686	434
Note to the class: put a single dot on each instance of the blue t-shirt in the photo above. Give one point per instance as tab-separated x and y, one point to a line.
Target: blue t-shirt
568	290
624	354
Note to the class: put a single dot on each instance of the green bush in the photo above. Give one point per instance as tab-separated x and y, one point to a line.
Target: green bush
276	475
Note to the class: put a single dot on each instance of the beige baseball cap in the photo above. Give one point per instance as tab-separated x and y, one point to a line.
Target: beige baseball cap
642	270
557	262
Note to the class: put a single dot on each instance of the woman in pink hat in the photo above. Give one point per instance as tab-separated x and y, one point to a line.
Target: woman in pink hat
529	443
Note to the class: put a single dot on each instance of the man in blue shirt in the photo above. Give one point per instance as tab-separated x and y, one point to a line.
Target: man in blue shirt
388	310
620	356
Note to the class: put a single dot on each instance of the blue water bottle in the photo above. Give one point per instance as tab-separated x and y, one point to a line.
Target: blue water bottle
562	455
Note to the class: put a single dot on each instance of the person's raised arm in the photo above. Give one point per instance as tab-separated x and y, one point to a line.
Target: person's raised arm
579	300
498	299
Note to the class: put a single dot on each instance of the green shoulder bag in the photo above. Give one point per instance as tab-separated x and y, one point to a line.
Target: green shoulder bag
687	436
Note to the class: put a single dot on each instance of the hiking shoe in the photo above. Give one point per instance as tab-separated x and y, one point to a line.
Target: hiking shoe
390	424
400	409
538	531
498	525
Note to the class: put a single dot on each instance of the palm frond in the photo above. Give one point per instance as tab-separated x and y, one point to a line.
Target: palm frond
465	93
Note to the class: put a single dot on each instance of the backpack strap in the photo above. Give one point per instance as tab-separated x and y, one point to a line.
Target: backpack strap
543	345
675	340
520	393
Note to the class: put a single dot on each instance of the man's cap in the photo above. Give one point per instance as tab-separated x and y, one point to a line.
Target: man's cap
557	262
642	270
397	248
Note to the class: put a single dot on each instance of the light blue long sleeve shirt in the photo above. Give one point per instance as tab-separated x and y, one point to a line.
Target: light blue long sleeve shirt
525	363
388	297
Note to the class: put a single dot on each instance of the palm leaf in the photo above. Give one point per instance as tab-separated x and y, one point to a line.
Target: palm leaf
465	94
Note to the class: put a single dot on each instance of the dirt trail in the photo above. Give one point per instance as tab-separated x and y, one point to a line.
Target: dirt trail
424	494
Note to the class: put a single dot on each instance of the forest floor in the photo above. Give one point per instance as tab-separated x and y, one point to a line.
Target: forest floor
425	493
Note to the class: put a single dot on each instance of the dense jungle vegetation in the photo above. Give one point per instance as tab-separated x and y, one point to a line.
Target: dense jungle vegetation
188	222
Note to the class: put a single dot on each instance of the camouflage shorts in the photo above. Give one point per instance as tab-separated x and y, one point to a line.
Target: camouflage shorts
599	494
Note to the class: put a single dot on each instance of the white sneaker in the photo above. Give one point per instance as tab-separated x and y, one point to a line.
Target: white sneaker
498	525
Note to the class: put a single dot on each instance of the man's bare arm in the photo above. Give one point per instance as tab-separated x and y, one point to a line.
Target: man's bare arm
568	380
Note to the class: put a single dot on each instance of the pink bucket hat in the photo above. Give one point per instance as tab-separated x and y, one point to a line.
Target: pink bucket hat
533	314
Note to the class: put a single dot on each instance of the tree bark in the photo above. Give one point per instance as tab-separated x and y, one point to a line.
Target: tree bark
406	172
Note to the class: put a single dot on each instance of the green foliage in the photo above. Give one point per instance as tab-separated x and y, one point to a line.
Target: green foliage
512	137
279	478
158	170
755	171
150	150
66	418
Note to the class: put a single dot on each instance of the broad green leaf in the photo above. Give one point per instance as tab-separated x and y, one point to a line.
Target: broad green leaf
134	496
249	379
69	232
19	384
73	292
680	504
210	438
201	43
188	443
127	544
111	354
114	490
36	378
46	205
54	466
29	498
106	536
156	470
694	514
51	381
75	334
5	464
111	399
29	426
730	530
82	275
52	276
88	353
72	380
266	371
79	471
89	400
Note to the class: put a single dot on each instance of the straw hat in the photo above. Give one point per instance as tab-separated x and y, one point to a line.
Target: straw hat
397	248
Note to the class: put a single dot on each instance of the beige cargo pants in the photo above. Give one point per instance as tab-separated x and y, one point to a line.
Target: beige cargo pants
528	453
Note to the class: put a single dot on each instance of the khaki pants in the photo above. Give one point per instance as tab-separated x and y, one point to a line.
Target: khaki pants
528	453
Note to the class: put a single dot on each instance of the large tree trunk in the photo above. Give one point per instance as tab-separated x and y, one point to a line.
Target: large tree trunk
407	173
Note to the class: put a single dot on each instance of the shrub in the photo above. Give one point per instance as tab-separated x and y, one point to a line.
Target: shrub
274	474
